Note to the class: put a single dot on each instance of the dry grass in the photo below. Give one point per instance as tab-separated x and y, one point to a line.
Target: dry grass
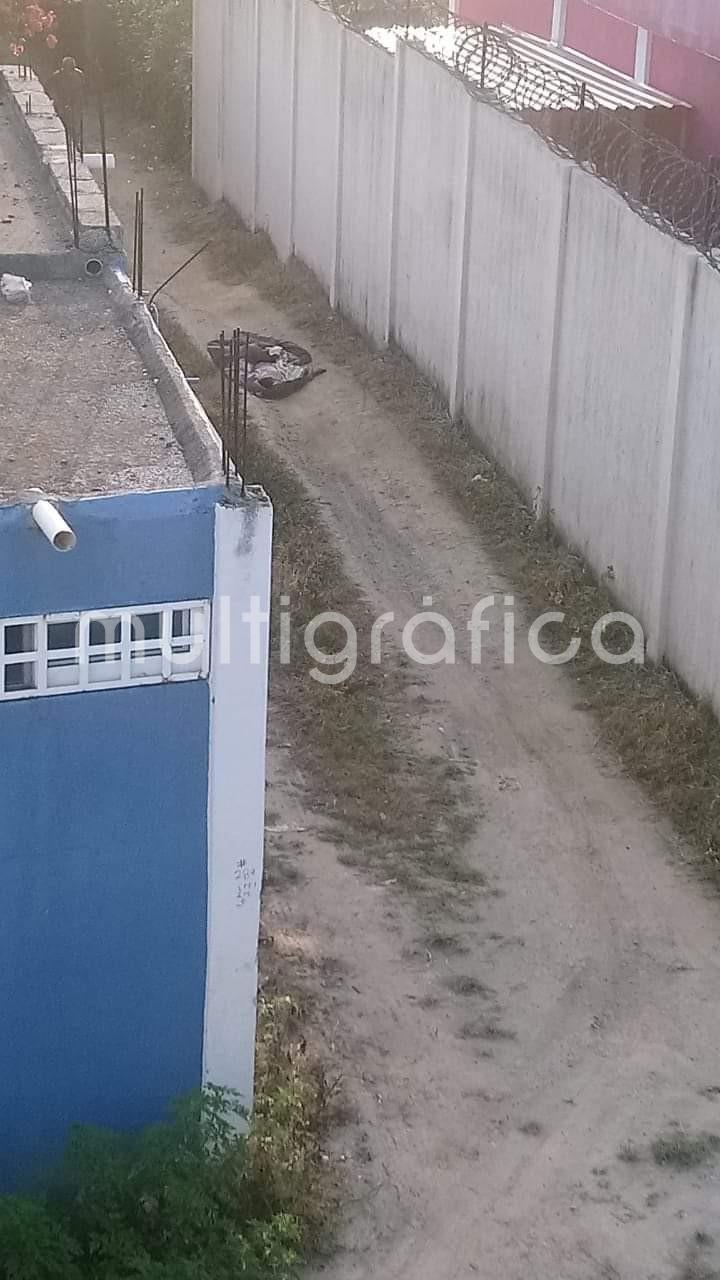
696	1268
465	985
400	807
445	943
294	1110
683	1150
668	739
485	1029
531	1129
696	1265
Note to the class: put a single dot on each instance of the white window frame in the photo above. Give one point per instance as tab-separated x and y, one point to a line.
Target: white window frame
559	22
171	667
643	50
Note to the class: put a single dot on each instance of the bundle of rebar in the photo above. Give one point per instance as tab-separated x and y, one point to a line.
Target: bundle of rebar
234	362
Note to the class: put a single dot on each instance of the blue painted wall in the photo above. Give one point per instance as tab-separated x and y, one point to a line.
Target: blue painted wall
140	548
103	845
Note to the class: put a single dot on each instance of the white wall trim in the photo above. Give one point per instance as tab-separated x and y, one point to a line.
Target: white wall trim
236	794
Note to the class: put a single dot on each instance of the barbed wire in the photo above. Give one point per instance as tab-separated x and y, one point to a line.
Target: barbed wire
672	192
489	61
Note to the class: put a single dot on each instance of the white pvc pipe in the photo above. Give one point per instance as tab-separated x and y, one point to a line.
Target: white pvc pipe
50	522
93	160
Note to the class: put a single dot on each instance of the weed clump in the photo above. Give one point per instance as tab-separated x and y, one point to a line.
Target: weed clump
683	1150
629	1153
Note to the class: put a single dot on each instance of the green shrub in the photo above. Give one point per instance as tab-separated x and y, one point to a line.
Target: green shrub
179	1201
33	1244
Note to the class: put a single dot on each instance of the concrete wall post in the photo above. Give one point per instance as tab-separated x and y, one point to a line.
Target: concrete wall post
336	247
255	131
544	503
398	113
686	274
460	283
295	46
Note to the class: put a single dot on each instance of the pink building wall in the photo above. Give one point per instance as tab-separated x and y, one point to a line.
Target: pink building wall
533	16
695	23
601	36
694	78
684	51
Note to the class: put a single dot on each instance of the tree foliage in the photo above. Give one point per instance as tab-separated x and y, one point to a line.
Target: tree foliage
24	24
147	52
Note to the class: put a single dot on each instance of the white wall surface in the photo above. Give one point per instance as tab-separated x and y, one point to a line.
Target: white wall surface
692	612
517	195
367	185
240	108
274	128
617	312
207	160
318	138
578	342
428	231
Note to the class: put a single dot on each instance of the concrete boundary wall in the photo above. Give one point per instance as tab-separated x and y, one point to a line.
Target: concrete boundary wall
579	343
44	131
210	25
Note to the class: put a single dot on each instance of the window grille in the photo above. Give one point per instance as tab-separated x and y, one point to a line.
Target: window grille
103	649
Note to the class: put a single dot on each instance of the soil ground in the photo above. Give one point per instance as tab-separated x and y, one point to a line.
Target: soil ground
499	1045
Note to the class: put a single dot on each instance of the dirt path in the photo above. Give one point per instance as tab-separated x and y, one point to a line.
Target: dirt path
500	1055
